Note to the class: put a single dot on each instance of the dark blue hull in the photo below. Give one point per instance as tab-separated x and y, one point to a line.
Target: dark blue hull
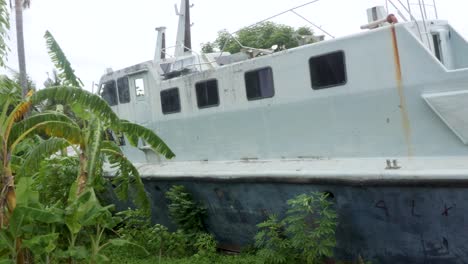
381	223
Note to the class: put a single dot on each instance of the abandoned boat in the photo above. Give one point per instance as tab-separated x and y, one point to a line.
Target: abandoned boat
378	119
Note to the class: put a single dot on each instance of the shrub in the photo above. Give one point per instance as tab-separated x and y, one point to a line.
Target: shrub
305	235
187	214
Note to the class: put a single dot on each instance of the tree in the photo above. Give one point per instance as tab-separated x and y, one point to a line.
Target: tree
85	131
261	36
19	6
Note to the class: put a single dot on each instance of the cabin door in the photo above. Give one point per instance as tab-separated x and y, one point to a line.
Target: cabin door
139	87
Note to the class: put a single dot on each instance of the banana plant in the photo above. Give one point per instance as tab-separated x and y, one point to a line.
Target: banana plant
84	131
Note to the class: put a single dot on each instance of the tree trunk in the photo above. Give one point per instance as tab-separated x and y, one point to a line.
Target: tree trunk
8	196
9	188
83	177
20	46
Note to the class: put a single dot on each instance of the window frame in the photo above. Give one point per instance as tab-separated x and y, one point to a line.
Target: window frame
103	85
161	99
217	93
345	68
142	96
272	82
128	89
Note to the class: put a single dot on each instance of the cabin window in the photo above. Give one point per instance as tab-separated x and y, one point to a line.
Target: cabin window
328	70
109	93
436	41
170	101
124	92
139	87
259	84
207	93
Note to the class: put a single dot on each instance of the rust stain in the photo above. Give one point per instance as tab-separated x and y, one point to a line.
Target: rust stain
401	94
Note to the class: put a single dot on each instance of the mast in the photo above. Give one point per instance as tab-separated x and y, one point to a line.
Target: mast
184	41
160	52
188	25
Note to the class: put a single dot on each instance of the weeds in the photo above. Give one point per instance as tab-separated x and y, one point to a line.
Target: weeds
305	235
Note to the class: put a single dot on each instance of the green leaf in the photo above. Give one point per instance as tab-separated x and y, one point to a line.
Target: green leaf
76	252
133	131
99	258
69	95
42	244
44	149
50	123
66	72
86	211
127	176
93	141
25	193
4	28
47	216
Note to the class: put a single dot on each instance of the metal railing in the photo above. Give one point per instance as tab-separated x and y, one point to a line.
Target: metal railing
408	9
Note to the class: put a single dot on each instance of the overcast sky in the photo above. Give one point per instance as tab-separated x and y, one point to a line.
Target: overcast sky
100	34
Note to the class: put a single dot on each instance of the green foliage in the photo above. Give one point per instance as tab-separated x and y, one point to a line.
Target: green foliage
57	174
40	152
208	47
311	223
66	72
184	211
272	241
119	258
127	177
260	36
47	223
88	102
156	239
134	132
4	27
16	78
32	222
206	245
305	235
50	123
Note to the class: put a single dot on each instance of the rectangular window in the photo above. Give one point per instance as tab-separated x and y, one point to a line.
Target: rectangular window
124	92
139	87
109	93
170	101
259	84
436	40
328	70
207	93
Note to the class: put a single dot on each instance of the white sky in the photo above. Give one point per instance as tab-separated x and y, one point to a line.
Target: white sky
98	34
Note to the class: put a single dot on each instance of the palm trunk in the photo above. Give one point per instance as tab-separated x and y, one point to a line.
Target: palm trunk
83	177
20	46
10	199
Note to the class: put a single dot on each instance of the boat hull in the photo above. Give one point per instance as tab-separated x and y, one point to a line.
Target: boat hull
388	223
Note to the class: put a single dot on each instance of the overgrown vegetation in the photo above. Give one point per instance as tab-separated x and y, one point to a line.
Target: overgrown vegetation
49	210
184	211
305	235
190	239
